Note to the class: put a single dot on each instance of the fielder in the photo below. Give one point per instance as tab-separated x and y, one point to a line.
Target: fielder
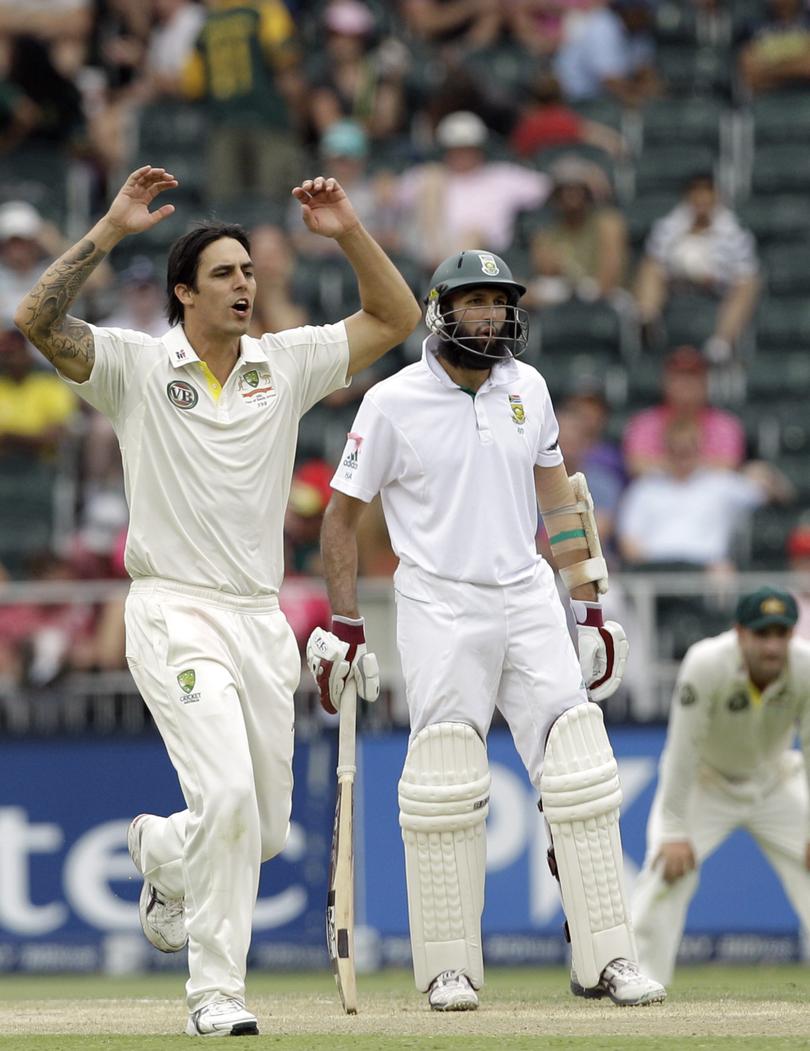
462	446
207	420
729	763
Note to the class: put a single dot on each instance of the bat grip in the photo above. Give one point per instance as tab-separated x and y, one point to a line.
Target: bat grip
346	733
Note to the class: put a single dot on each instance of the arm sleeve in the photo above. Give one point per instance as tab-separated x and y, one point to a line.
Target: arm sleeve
373	457
689	717
548	440
742	255
319	359
117	354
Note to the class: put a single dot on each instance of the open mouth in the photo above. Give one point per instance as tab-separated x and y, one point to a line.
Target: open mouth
241	308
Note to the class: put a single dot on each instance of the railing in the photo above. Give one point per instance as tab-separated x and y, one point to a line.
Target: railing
104	702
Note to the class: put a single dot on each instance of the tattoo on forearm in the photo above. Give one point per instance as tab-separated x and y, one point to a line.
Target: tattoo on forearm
49	327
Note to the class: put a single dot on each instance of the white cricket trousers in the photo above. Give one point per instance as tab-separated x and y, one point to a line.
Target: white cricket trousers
466	648
775	814
218	674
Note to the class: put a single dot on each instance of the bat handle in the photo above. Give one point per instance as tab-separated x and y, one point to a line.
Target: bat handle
346	772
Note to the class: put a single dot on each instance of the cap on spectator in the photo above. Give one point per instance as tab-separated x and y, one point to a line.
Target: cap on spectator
685	359
141	271
344	138
349	17
766	606
19	219
461	129
310	490
798	544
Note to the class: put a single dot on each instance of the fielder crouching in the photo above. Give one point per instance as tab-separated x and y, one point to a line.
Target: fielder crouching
462	446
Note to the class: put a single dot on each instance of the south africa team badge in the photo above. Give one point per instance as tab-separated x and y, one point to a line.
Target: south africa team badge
516	405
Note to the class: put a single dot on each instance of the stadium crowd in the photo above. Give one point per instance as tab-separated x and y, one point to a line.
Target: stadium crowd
636	162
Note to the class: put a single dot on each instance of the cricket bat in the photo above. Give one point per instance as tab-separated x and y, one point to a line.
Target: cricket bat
340	900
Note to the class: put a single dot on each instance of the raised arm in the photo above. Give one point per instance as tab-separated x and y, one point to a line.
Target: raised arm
389	312
42	315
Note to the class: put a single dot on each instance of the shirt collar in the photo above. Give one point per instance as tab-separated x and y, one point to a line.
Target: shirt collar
502	373
182	353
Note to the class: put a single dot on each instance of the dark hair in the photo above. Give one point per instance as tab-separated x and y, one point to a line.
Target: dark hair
184	258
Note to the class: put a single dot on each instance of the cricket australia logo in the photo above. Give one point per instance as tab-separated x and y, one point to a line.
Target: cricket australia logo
256	386
187	680
181	394
516	405
488	265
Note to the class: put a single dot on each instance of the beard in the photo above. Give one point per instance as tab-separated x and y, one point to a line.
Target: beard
461	358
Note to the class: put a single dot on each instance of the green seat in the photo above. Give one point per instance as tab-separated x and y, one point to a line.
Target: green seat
602	110
781	117
689	318
796	467
783	323
690	121
776	218
675	24
788	268
646	210
668	168
167	125
587	328
689	70
781	168
769	531
26	512
790	380
38	175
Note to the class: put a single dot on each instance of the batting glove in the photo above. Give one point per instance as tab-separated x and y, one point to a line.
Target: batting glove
603	649
332	656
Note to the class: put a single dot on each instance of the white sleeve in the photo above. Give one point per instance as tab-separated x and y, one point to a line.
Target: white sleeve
319	359
116	355
689	717
374	454
548	452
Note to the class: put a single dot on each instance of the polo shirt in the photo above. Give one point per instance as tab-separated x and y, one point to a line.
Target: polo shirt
207	469
455	472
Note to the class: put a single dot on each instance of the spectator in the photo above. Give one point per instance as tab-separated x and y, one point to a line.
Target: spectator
700	247
464	200
170	45
344	150
687	515
142	300
35	406
47	19
583	251
275	307
546	121
358	81
609	51
245	70
685	396
798	551
458	26
539	25
776	53
18	113
59	118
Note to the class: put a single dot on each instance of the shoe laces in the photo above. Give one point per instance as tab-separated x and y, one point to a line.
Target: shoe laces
226	1005
622	968
446	977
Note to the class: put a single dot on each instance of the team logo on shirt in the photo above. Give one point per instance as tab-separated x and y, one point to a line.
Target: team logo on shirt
516	405
187	680
739	701
256	386
488	264
688	694
181	394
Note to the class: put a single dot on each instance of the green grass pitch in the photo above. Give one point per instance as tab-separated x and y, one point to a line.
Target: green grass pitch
708	1007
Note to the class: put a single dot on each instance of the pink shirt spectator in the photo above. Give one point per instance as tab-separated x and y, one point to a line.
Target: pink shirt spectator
722	438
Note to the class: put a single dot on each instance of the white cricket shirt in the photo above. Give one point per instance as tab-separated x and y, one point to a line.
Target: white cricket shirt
455	472
720	721
207	469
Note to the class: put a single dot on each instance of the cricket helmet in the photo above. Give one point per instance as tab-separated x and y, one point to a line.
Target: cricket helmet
476	269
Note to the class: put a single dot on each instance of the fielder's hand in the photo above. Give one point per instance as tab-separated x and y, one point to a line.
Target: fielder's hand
603	650
334	655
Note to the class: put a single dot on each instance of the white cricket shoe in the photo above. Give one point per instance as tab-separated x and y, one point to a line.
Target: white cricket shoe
452	991
163	919
624	983
226	1017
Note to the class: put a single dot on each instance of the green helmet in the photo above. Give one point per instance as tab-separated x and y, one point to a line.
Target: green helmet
476	269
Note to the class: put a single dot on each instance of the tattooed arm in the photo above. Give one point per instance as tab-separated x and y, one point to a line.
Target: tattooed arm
42	316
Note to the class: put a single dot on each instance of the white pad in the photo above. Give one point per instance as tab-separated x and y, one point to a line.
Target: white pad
443	805
581	796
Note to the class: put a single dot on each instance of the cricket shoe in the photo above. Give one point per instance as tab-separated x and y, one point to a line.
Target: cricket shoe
452	991
163	919
226	1017
624	983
